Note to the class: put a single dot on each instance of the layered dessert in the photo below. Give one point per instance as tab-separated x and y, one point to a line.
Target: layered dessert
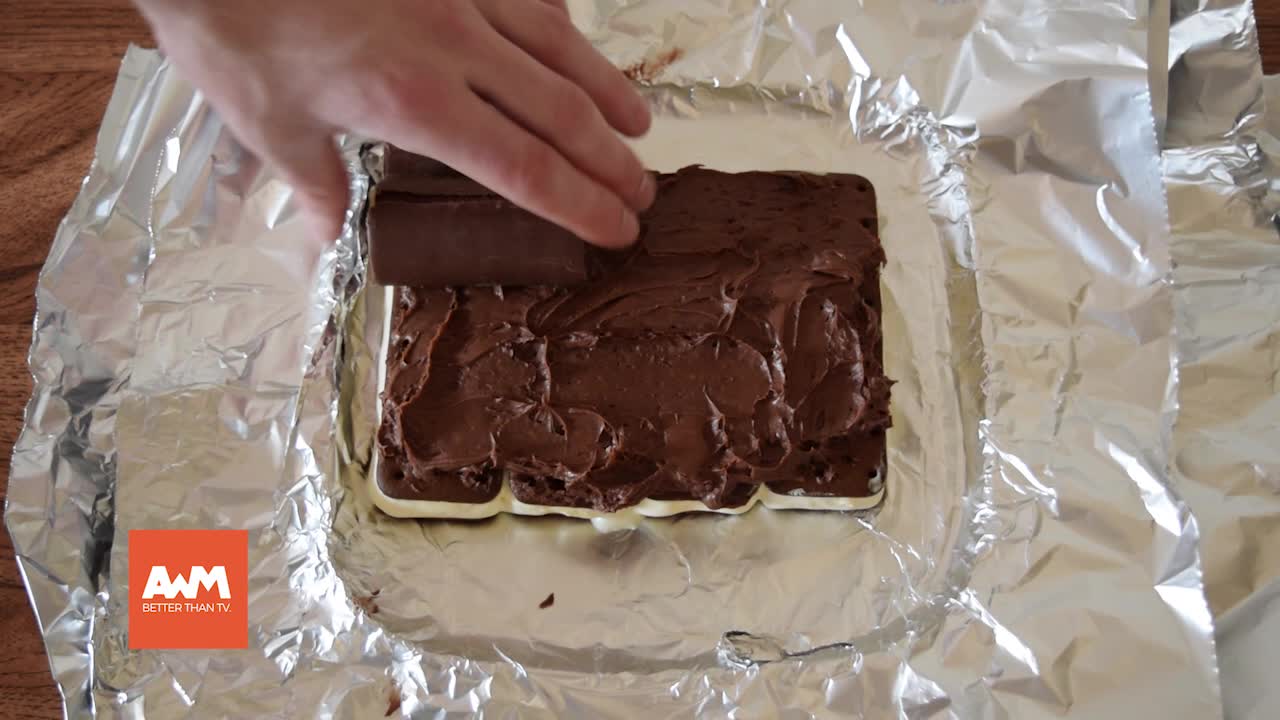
732	357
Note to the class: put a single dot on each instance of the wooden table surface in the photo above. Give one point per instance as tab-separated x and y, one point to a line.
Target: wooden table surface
58	62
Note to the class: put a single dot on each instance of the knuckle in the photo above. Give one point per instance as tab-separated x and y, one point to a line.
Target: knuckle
572	110
392	101
387	93
555	31
555	22
453	21
399	92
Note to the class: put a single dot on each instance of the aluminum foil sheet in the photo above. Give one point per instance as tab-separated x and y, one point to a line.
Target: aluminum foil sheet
200	363
1222	164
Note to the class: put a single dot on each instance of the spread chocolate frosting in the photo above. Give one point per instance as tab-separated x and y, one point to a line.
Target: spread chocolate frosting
737	344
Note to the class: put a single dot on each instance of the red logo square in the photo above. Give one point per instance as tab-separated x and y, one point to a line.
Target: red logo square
188	589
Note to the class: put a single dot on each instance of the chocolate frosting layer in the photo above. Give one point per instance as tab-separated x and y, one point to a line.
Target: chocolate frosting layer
737	344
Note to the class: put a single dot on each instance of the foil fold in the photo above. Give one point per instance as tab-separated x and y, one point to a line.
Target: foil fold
200	362
1220	161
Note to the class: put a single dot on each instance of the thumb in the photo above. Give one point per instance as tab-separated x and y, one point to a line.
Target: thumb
308	160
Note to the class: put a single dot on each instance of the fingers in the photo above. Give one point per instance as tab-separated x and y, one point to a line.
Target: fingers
308	160
563	115
552	40
476	139
312	165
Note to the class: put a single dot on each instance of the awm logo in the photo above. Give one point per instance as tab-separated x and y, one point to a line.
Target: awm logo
188	589
159	584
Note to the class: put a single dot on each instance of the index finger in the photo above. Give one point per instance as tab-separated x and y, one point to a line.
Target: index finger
471	136
553	41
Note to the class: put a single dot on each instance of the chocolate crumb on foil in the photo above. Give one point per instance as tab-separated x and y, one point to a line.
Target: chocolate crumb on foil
646	72
368	603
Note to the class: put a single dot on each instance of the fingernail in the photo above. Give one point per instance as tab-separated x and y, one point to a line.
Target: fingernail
630	230
648	191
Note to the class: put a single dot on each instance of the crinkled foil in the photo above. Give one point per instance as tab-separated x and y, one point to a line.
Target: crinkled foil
200	363
1222	167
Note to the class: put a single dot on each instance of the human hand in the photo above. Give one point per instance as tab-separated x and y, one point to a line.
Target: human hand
505	91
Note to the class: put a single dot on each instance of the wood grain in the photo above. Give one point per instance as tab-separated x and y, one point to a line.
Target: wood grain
57	64
68	35
58	61
1267	13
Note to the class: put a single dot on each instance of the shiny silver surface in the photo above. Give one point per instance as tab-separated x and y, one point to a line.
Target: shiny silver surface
1221	164
200	362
